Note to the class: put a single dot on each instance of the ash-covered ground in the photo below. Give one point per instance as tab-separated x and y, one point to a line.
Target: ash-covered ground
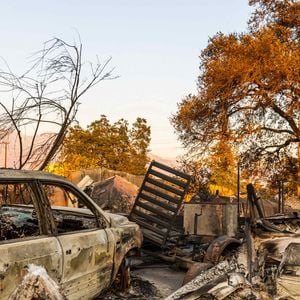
139	289
152	282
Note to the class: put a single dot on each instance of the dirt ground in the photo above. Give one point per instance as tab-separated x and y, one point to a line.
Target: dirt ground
149	282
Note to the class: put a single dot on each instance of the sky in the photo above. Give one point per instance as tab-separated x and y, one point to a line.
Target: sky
154	45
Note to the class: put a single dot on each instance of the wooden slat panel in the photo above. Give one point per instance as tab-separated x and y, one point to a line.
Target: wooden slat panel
158	203
151	218
169	216
153	238
165	186
170	170
168	178
148	226
162	195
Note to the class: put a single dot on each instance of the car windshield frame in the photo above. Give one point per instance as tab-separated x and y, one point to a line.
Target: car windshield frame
102	220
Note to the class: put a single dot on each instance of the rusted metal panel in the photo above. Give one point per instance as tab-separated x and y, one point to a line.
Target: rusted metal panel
159	200
15	257
230	219
217	248
214	219
86	254
127	239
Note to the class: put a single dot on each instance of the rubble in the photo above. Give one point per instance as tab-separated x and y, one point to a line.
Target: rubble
266	266
115	194
17	223
85	183
255	259
228	258
205	281
195	270
139	289
37	285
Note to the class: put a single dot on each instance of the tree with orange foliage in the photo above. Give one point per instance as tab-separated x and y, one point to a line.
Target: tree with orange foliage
248	89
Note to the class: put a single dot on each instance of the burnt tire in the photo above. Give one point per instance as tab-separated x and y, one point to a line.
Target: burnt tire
122	281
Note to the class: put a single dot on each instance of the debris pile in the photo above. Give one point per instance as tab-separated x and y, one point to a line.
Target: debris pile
37	285
139	289
17	224
85	182
205	281
115	194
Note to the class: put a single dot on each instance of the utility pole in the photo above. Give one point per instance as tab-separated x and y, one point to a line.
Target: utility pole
5	143
280	197
298	165
238	188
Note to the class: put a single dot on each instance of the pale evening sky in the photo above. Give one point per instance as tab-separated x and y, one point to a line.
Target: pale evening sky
154	47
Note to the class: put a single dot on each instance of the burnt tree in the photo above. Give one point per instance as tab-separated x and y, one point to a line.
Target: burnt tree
46	99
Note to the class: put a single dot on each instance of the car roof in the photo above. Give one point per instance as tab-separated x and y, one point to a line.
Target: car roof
14	174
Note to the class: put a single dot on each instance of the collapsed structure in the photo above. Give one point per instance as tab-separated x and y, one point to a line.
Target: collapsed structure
115	194
228	256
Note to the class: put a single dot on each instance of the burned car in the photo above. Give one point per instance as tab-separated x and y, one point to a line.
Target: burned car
54	239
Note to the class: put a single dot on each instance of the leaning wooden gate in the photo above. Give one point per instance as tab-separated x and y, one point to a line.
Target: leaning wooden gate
158	201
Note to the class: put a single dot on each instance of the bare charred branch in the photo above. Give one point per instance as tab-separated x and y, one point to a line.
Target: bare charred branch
46	97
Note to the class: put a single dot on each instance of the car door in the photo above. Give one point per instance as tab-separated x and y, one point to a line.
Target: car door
87	246
25	236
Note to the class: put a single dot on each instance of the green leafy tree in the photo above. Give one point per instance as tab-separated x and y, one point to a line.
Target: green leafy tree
102	144
140	139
